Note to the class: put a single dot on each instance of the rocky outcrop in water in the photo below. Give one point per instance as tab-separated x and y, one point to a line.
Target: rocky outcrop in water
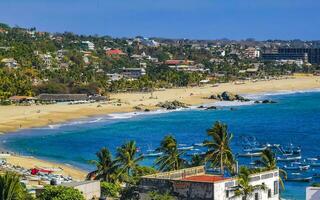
266	101
172	105
228	96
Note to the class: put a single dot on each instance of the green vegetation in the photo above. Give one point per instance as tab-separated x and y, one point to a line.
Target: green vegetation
244	188
269	162
219	152
172	157
157	196
125	168
110	189
60	193
11	188
60	63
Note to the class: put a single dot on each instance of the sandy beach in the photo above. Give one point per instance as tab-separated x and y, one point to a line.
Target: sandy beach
13	118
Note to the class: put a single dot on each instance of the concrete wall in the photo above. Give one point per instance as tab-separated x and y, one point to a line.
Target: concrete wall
313	193
184	190
90	190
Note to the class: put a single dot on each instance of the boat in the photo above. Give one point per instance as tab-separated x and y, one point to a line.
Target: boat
250	154
296	167
152	155
198	144
196	153
185	148
288	159
299	179
255	149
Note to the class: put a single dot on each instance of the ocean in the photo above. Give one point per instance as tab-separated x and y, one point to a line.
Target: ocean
293	119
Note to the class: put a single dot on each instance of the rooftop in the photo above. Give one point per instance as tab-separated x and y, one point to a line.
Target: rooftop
205	178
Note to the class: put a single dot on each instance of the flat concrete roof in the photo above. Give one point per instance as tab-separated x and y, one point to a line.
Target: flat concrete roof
75	183
205	178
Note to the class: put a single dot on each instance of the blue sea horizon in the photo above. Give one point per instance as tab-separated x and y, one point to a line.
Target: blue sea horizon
294	119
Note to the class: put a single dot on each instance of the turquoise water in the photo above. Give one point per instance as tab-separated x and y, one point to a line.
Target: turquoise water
294	119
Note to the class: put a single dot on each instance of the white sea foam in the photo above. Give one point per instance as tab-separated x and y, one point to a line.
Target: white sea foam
280	92
229	103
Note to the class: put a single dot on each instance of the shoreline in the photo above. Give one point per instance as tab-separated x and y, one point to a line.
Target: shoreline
16	118
63	113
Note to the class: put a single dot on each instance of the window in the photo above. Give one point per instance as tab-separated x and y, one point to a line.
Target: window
276	187
256	196
269	193
227	193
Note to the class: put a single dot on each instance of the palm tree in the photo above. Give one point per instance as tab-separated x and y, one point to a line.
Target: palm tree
219	152
127	158
197	160
11	188
106	168
244	188
269	162
171	158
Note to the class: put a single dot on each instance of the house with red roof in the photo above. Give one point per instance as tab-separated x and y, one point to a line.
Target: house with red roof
114	52
197	184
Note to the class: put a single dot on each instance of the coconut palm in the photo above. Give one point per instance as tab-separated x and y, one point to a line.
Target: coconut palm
197	160
244	188
106	168
171	158
11	188
127	158
269	162
219	152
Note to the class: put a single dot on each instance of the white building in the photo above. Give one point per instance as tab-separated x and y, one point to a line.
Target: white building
87	44
195	183
133	73
252	53
89	189
313	193
10	62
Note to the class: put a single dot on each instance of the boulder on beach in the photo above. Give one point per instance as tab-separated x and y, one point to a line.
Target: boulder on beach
172	105
228	96
211	108
213	97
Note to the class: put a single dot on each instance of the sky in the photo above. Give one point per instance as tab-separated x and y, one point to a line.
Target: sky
193	19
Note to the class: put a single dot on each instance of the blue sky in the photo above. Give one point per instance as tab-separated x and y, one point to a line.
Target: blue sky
198	19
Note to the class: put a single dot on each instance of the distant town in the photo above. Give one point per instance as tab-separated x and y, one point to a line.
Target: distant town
34	63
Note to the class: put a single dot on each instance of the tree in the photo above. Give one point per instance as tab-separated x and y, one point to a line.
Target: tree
11	188
127	159
197	160
106	168
171	158
244	188
110	189
219	152
269	162
60	193
157	196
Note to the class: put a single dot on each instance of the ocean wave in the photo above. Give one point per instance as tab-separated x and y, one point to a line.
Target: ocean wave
258	96
230	103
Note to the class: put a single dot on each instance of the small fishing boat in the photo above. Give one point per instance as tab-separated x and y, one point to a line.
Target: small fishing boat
198	144
288	158
250	154
185	148
152	154
299	179
196	153
255	149
296	167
